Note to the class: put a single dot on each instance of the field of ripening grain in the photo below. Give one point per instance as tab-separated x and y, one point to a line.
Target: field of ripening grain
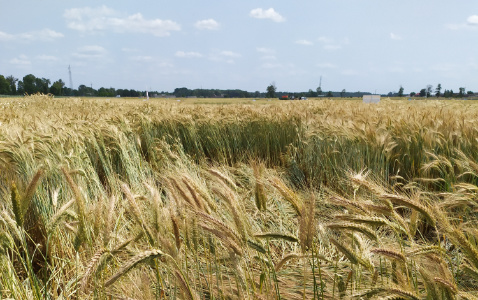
167	199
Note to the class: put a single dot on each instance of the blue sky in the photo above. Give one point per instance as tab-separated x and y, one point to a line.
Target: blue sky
357	45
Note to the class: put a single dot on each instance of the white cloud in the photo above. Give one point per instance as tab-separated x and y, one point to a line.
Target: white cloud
209	24
268	57
129	50
471	23
272	66
444	67
47	58
224	56
5	37
91	52
92	13
326	66
44	35
330	44
103	19
349	72
229	54
286	66
183	54
455	26
268	54
396	69
394	36
266	50
472	20
141	58
21	60
304	42
332	47
270	13
325	40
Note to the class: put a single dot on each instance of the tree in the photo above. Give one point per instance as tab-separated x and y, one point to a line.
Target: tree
271	91
461	93
28	84
448	93
423	92
342	93
104	92
84	90
319	91
429	90
329	94
13	84
57	88
4	86
42	85
438	90
412	94
400	92
311	93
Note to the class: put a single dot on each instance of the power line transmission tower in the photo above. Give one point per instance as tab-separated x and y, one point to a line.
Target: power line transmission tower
71	80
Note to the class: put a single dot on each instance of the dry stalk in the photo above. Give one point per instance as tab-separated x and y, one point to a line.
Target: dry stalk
132	263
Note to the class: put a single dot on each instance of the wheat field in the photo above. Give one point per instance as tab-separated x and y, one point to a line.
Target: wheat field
167	199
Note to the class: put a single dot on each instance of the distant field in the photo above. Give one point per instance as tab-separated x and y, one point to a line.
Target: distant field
238	199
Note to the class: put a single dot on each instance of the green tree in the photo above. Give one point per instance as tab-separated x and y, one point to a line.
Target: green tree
57	88
84	90
461	92
329	94
438	90
28	84
400	92
104	92
423	93
429	90
319	91
42	85
448	93
271	91
12	81
342	93
4	86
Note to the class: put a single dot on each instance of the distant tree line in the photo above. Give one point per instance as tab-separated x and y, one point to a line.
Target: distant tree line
31	85
215	93
429	92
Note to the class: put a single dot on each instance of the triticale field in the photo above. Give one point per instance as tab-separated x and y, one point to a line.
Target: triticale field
202	199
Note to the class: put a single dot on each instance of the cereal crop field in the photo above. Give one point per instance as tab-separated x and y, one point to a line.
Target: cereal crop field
220	199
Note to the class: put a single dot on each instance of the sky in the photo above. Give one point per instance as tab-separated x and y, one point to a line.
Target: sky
356	45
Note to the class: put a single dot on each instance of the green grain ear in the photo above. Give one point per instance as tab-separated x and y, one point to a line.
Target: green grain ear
21	204
30	191
16	204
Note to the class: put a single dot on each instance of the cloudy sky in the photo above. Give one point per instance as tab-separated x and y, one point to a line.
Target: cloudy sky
357	45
